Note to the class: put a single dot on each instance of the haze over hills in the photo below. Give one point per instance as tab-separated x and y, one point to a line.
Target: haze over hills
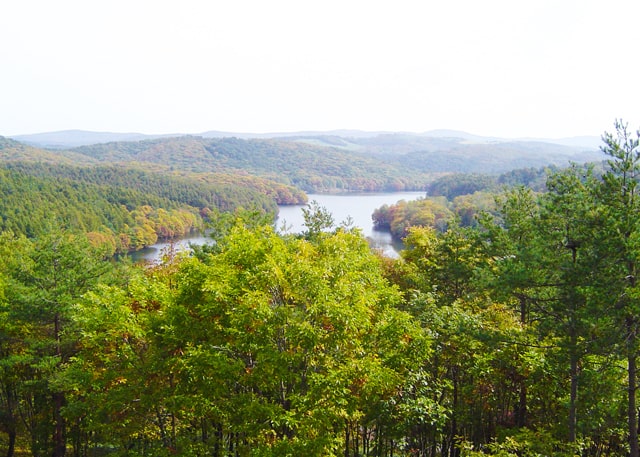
74	138
64	139
332	161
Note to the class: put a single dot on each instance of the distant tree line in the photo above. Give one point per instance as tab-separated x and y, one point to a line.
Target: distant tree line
459	198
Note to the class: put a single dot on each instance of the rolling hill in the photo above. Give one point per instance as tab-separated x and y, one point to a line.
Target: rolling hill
336	161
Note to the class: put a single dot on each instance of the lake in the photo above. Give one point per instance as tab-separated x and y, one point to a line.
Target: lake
153	252
359	207
290	220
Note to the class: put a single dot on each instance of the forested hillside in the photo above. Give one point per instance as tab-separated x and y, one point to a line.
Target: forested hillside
308	167
221	191
124	209
11	150
333	163
119	219
514	336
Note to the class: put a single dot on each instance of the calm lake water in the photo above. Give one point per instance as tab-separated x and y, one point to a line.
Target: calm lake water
153	252
359	207
290	220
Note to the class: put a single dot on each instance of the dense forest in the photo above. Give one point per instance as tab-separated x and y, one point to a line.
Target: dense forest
517	335
308	167
123	208
443	151
326	163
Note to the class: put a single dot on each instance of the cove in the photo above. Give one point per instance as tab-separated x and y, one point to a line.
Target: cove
357	206
154	252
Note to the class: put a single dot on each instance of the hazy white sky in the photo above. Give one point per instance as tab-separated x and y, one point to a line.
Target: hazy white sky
510	68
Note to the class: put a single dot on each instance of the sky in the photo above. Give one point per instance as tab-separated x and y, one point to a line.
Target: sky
505	68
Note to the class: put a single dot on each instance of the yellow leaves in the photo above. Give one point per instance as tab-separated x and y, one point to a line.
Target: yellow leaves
120	380
421	240
424	212
104	241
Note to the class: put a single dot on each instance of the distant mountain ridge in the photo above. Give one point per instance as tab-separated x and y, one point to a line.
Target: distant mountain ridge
319	162
74	138
65	139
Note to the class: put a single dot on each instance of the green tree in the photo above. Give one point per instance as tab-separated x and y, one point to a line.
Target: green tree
317	220
550	258
14	352
44	278
618	247
565	231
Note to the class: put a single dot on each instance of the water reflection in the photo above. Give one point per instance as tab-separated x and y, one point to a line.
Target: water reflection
155	251
357	208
